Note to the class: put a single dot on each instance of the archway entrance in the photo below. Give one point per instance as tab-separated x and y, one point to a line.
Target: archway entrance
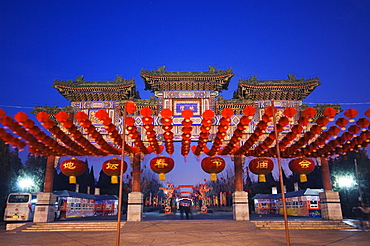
264	119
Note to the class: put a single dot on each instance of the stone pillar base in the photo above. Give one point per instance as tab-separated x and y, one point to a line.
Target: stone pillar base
135	206
45	207
240	205
330	205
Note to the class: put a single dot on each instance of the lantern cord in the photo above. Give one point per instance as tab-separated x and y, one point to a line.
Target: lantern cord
287	238
118	233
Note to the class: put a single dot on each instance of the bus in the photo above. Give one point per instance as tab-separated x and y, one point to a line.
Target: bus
20	207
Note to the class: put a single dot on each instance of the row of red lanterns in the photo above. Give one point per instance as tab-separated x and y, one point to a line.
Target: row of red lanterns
167	127
313	142
148	124
263	166
222	131
205	129
135	135
186	131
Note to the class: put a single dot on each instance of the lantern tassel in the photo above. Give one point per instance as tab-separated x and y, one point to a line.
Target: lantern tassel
213	177
114	179
261	178
72	179
162	176
303	178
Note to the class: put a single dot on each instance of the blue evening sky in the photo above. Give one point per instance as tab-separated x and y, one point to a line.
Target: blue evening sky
43	40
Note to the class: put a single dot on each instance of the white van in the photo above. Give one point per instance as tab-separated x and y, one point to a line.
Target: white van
20	207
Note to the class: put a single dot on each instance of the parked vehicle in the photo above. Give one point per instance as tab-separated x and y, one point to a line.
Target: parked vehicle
20	207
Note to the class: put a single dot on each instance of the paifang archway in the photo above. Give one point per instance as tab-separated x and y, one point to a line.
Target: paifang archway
264	119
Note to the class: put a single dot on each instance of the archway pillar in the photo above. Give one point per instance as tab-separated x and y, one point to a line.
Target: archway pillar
329	199
135	198
240	197
45	207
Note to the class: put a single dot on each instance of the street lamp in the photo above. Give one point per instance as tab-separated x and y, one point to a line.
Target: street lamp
346	182
25	183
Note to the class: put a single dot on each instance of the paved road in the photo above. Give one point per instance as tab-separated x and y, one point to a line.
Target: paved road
211	229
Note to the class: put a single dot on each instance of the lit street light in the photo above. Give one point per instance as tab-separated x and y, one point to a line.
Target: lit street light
25	183
346	182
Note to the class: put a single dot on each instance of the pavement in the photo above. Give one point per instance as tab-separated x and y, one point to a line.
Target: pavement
200	229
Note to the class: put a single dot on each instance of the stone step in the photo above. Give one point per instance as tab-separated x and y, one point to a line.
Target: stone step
338	225
86	226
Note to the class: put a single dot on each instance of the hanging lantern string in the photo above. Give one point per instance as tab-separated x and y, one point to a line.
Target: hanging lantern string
79	139
186	131
83	118
148	125
225	121
167	127
205	132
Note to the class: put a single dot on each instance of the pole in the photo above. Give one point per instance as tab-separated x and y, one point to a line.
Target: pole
118	233
238	168
358	183
49	174
325	174
287	238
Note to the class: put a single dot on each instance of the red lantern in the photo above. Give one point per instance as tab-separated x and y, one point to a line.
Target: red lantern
113	168
227	112
208	114
269	112
162	165
130	107
166	113
20	117
146	112
73	168
187	113
249	110
351	114
367	113
290	112
342	123
102	114
302	166
62	116
81	116
309	112
330	112
213	165
261	166
2	113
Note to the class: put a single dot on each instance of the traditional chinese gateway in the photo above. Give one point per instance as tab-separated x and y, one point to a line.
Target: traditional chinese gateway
187	107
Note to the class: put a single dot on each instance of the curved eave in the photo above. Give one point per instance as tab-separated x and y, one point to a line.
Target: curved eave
276	86
184	77
85	87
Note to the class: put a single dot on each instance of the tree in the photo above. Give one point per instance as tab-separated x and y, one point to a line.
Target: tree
34	169
344	167
10	165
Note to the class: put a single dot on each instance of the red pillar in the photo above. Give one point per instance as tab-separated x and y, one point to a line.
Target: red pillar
136	172
325	173
49	174
238	165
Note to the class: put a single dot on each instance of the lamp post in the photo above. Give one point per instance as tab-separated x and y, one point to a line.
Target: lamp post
346	182
358	183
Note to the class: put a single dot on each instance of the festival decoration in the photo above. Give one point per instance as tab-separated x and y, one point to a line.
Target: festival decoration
261	167
186	135
72	168
112	168
167	127
213	165
162	165
302	166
